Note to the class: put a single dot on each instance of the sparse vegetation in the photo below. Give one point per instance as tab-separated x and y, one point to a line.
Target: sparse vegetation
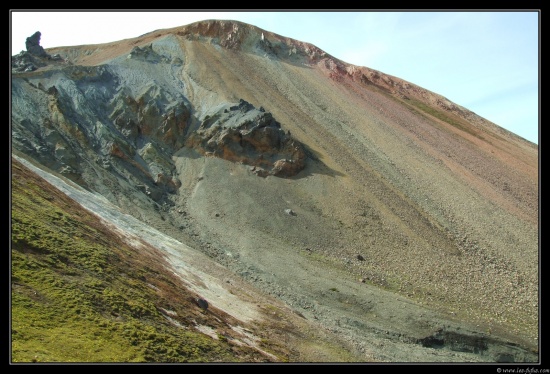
420	107
80	295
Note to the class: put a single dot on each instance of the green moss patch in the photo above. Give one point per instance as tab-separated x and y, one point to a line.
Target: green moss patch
80	294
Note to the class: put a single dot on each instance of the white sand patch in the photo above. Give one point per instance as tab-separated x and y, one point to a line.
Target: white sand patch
208	331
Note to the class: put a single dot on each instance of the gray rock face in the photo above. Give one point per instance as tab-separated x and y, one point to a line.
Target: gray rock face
242	133
78	114
119	117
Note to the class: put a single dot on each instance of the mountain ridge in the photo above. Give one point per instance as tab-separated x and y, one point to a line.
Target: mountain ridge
227	34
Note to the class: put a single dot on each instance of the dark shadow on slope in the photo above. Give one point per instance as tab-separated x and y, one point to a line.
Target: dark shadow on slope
479	344
314	165
242	133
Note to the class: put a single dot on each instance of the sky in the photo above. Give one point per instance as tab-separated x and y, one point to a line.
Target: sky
486	61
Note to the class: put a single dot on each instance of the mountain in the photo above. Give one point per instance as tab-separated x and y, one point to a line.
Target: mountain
216	192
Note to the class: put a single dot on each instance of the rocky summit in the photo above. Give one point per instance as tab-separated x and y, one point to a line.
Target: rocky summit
216	192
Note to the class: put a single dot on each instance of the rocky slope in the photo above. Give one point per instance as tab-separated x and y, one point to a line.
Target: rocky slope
377	210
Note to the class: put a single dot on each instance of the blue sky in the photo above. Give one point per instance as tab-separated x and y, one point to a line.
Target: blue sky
486	61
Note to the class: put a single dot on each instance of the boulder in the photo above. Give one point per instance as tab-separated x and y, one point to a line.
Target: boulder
243	133
33	45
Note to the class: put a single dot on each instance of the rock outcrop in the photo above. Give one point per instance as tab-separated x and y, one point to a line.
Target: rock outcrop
91	115
242	133
35	57
33	45
130	125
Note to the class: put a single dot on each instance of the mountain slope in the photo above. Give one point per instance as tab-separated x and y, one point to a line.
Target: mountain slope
91	284
403	195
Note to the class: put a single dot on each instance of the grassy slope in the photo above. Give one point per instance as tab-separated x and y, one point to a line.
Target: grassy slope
81	295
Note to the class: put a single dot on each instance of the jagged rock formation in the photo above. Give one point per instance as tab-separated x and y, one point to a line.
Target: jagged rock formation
441	204
35	56
90	117
98	113
33	45
242	133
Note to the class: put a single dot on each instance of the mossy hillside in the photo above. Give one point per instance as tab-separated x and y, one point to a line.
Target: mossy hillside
451	119
80	294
